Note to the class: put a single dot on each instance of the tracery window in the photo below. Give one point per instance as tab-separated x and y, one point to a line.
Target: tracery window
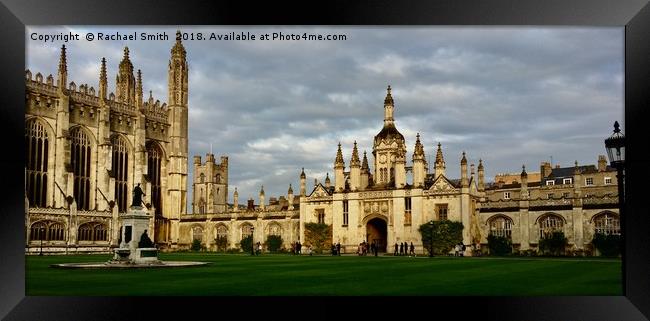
154	159
36	158
197	233
120	170
407	211
549	224
47	231
92	232
346	213
80	161
222	231
246	231
274	229
501	226
608	224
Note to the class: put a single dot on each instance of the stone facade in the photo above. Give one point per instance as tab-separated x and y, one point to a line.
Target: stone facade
87	149
381	206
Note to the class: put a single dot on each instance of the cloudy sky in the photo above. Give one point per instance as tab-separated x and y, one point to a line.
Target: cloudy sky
510	96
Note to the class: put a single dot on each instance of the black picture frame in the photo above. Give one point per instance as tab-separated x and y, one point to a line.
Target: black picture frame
633	15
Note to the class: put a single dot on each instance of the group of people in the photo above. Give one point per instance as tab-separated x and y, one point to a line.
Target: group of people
258	248
459	249
363	248
404	249
336	249
296	249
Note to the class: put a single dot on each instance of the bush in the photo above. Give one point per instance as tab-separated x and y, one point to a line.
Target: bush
553	244
319	235
196	245
499	245
246	244
221	243
444	235
273	243
607	245
233	250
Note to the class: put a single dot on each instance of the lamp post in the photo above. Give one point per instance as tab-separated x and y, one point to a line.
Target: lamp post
252	243
431	240
615	146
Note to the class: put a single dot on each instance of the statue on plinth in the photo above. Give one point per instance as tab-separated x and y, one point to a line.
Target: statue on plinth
137	196
145	241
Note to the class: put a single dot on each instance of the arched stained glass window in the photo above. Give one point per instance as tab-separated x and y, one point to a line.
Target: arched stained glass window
80	161
36	158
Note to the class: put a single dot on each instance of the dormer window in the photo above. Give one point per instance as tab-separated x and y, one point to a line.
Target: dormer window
549	183
567	181
589	181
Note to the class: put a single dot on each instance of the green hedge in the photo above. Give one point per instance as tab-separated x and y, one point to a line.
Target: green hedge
246	244
553	244
319	235
444	235
608	245
499	245
274	243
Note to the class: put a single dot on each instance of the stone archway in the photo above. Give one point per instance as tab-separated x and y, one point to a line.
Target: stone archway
377	231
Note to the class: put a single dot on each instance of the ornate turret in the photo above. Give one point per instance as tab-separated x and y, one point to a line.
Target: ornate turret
355	169
463	172
355	162
235	197
303	177
125	81
103	80
338	162
63	71
418	163
389	144
440	162
389	107
339	180
327	181
290	198
365	171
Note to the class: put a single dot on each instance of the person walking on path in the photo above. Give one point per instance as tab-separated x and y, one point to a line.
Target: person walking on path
338	248
396	246
412	249
401	249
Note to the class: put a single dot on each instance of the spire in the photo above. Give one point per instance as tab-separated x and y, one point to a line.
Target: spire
103	80
463	160
388	108
480	164
523	171
262	190
419	148
236	193
339	158
302	174
389	98
364	164
327	178
439	158
125	87
355	156
63	69
290	191
178	50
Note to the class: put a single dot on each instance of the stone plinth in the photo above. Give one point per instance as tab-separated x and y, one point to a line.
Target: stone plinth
134	223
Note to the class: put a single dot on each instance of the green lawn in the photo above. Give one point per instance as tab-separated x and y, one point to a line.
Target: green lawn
325	275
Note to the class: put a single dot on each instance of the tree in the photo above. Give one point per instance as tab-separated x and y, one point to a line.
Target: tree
319	235
246	244
444	235
221	243
274	243
196	245
499	245
553	244
607	245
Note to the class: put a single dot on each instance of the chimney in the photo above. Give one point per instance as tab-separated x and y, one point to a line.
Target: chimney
602	163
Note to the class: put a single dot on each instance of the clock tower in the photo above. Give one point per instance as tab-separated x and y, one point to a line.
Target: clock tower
389	146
